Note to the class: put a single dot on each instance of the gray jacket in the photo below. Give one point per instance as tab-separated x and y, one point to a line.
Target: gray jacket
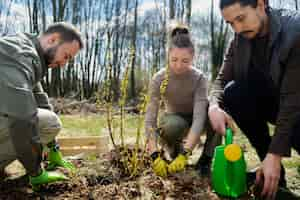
22	66
284	46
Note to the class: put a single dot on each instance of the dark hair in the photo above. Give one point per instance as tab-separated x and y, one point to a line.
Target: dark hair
180	38
225	3
67	32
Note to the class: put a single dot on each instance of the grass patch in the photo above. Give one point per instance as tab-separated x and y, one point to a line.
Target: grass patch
94	125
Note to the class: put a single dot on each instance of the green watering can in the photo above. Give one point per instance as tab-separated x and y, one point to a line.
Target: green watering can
229	169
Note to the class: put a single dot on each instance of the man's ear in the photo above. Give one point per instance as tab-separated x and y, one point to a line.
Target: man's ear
53	39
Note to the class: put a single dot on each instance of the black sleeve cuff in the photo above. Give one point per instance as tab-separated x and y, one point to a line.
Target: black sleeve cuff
155	155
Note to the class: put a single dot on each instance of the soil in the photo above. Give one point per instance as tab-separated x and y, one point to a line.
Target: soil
104	177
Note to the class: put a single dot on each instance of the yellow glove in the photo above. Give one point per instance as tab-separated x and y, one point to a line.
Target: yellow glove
180	162
159	165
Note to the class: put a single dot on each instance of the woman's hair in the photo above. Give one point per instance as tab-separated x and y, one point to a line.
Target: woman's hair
180	37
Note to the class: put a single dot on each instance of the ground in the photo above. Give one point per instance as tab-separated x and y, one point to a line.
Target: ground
102	176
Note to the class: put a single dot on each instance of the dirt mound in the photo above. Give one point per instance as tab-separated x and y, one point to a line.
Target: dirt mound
103	177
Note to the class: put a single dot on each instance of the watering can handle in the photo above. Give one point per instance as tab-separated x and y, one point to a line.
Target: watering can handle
228	136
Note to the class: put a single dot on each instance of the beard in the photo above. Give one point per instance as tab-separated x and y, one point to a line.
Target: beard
260	32
262	26
49	55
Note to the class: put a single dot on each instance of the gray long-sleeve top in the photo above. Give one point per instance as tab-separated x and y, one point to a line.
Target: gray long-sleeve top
185	93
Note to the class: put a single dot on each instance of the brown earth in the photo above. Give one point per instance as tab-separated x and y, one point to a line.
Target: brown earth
104	177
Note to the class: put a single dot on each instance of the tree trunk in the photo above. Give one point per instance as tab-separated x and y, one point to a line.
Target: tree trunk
56	88
134	34
29	15
218	42
116	48
172	9
188	11
35	17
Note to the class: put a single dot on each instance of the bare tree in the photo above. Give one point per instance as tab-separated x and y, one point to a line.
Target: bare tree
29	14
188	11
56	86
5	23
172	9
110	28
218	41
133	49
35	17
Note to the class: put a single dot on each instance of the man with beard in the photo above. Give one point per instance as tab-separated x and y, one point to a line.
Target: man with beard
259	84
27	121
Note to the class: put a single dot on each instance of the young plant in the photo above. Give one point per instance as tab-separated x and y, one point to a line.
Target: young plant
107	100
163	99
135	162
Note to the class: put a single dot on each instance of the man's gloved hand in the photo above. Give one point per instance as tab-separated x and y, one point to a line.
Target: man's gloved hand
46	177
179	163
159	165
56	159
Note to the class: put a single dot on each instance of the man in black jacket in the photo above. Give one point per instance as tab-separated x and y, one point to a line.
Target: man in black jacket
259	84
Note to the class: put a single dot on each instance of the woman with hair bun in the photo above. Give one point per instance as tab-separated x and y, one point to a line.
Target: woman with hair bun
183	89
